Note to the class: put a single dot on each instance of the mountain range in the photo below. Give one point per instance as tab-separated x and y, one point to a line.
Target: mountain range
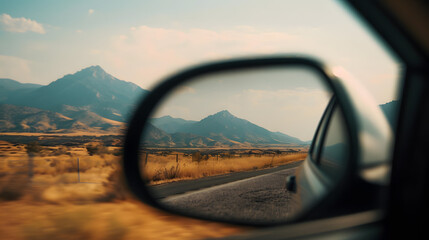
27	119
220	129
10	88
92	100
89	100
90	89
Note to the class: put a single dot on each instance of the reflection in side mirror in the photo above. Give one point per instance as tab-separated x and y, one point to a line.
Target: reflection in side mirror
221	146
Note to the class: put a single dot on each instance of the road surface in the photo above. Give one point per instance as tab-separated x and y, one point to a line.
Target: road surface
262	198
168	189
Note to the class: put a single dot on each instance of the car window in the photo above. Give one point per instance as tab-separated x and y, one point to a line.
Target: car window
314	151
335	146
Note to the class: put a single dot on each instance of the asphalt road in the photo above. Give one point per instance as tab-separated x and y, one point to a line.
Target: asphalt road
261	198
169	189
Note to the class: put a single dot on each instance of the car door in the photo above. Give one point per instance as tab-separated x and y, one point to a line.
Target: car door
325	162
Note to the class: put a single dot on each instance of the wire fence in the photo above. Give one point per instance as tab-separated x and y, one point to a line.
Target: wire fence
197	156
85	170
75	168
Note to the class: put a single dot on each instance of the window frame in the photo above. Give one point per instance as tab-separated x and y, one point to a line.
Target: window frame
324	137
316	146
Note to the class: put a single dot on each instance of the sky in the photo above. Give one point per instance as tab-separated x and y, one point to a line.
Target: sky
145	41
288	100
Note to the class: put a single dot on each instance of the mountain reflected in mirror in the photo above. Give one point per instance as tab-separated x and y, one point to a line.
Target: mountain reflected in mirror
221	129
222	146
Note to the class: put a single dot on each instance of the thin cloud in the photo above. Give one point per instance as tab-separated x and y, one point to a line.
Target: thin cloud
90	11
146	54
20	25
15	68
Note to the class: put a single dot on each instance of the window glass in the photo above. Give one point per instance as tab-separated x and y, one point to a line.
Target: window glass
318	139
335	146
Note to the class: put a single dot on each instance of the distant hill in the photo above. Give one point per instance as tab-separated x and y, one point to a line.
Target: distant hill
155	137
220	129
89	118
225	125
191	140
90	89
27	119
170	124
9	87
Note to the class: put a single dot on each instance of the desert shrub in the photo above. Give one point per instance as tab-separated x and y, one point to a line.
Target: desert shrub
33	148
62	150
96	149
115	187
172	172
14	187
196	157
117	152
166	173
59	166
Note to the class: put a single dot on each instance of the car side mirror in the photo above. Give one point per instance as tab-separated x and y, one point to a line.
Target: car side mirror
223	141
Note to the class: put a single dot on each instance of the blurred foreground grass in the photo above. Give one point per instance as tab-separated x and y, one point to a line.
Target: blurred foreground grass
53	205
116	220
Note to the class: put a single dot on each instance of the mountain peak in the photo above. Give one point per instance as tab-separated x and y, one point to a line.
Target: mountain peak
95	71
90	88
94	68
223	113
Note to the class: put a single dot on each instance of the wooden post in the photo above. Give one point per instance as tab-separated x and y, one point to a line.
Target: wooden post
145	159
30	166
177	158
272	160
78	172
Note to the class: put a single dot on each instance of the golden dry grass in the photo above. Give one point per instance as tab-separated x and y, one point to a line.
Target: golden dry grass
52	205
160	169
74	133
117	220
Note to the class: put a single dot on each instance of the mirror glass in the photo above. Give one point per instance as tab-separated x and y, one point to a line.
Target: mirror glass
222	145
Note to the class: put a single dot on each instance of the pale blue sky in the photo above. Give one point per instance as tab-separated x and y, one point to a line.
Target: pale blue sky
143	41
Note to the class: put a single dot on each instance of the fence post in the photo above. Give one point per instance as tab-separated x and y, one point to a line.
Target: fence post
177	158
78	171
30	166
145	159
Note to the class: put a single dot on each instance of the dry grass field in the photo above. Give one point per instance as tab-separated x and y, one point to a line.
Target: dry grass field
55	204
164	168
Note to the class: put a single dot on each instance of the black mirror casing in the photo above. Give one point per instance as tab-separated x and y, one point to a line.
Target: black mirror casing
133	176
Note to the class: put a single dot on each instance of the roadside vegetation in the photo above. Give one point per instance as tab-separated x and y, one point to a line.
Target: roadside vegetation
53	201
175	166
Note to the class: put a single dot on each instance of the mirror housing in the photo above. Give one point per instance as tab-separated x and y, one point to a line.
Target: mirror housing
368	133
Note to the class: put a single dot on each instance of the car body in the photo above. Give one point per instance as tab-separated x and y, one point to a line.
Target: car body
328	157
401	25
